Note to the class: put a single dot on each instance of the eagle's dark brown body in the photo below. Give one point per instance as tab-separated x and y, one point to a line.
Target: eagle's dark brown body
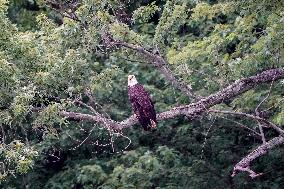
142	106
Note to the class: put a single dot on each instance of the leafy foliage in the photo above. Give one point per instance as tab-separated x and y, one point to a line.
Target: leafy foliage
52	54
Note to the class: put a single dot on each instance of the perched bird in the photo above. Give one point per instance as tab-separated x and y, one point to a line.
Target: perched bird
142	104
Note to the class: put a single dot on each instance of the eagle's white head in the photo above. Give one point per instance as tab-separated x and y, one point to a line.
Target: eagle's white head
132	80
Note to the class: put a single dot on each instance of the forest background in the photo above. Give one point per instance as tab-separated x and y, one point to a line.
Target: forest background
214	70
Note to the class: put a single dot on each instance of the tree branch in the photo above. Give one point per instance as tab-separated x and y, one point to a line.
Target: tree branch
244	164
193	109
108	123
257	118
258	114
242	126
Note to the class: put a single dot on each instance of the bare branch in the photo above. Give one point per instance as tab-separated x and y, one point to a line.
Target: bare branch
261	132
257	118
205	138
242	126
267	96
108	123
83	141
3	134
94	104
258	114
244	164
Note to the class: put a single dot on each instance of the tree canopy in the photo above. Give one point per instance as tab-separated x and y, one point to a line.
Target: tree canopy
214	70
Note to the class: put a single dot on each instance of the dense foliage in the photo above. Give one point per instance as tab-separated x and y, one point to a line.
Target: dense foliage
56	53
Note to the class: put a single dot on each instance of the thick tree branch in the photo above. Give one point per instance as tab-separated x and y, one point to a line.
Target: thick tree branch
193	109
244	164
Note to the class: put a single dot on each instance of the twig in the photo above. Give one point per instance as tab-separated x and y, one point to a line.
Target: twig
261	132
89	94
206	134
270	88
86	138
62	11
3	133
273	106
93	102
242	126
257	113
257	118
86	105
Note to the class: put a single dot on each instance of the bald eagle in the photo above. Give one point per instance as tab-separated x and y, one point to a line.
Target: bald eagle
142	104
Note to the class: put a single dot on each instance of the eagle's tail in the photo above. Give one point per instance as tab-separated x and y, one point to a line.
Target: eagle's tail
153	124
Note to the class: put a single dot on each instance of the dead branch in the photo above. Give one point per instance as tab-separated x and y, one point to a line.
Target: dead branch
253	132
3	134
257	118
244	164
258	114
92	118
